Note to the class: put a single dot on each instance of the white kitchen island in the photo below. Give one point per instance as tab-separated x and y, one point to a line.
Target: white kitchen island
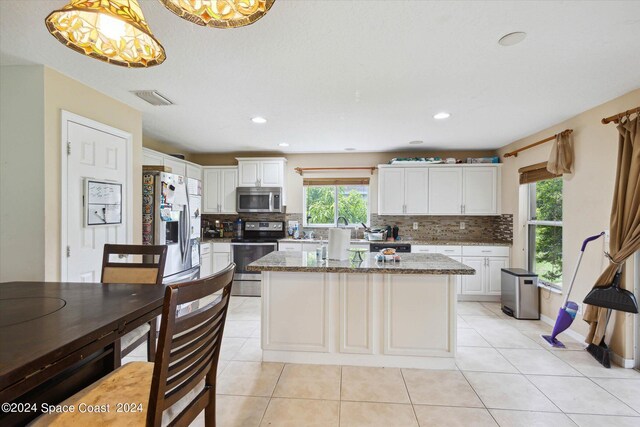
400	314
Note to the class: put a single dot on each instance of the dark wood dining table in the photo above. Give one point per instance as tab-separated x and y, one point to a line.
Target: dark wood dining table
57	338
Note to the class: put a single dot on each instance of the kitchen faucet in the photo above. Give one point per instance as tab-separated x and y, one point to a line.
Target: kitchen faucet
346	223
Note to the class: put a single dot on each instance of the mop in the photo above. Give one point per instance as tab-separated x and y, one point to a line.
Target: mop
568	310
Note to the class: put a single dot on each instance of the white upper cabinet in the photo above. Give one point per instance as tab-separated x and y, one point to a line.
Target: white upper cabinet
152	158
445	190
480	191
248	173
272	173
219	189
416	191
178	167
194	171
439	190
261	172
391	191
403	191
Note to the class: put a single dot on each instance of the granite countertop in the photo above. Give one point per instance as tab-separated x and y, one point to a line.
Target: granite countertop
288	261
411	242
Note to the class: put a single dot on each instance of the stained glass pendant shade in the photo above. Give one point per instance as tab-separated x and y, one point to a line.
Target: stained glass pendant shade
220	13
113	31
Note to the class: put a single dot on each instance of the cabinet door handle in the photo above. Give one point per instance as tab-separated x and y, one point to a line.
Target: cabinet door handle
461	209
464	208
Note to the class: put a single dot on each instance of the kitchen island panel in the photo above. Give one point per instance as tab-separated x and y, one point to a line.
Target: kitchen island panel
418	318
295	312
356	313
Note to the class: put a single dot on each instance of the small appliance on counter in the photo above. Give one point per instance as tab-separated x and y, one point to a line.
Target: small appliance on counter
520	297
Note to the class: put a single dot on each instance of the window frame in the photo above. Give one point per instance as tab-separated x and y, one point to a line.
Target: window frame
335	210
530	232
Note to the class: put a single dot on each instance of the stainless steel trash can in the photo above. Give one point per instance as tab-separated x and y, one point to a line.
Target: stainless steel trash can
520	297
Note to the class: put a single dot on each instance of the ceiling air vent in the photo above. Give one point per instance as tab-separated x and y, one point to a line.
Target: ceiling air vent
153	97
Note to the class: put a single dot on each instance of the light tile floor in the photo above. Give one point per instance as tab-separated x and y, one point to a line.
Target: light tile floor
504	375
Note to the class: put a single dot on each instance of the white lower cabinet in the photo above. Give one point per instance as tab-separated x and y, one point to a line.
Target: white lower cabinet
206	264
488	261
221	256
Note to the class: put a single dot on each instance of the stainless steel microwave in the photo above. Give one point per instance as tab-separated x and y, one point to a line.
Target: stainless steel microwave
259	199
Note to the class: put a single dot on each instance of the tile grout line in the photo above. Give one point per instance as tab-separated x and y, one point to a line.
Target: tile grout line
413	408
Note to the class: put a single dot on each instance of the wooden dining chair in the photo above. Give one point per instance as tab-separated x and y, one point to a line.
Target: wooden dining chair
147	268
181	382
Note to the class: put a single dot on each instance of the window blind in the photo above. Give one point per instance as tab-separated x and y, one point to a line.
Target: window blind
335	181
535	173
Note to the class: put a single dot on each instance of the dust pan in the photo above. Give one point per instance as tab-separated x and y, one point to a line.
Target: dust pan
613	296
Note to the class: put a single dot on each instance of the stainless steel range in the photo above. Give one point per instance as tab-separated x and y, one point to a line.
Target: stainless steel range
258	239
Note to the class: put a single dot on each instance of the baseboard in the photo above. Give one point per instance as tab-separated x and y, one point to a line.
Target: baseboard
625	363
479	298
617	359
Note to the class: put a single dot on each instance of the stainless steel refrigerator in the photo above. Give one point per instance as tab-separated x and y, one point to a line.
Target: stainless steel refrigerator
171	216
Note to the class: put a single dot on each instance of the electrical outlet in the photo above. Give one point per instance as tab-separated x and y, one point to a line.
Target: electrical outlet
415	225
462	225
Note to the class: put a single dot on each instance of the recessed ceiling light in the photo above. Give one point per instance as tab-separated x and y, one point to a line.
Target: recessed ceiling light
259	120
283	144
416	142
512	38
349	149
441	116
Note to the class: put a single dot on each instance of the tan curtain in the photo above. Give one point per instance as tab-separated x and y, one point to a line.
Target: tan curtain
561	158
625	219
535	173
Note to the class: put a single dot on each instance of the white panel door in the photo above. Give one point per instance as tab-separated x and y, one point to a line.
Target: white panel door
211	189
416	187
221	260
227	195
494	274
206	265
101	156
390	191
474	284
151	158
178	167
272	173
249	173
445	191
480	191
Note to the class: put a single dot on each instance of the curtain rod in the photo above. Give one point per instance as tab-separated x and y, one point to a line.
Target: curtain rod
302	170
616	118
542	141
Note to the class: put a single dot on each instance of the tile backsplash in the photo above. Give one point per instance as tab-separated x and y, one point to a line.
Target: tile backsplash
489	229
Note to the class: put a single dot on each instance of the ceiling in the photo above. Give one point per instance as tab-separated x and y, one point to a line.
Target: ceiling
369	75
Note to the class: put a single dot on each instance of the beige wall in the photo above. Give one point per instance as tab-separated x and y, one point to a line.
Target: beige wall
587	199
64	93
294	180
21	173
31	146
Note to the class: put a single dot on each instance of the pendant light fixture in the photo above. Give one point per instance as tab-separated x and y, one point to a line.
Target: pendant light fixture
113	31
220	13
